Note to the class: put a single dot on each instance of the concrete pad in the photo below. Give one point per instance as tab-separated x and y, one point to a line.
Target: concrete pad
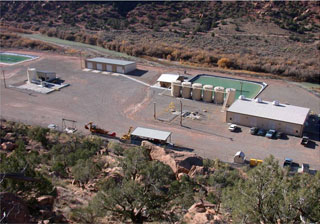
86	70
106	73
35	88
95	71
41	89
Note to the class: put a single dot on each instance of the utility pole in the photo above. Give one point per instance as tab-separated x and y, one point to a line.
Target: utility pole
241	83
180	113
81	59
4	79
154	111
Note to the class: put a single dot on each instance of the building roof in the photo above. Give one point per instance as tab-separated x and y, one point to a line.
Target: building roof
151	133
168	78
111	61
266	109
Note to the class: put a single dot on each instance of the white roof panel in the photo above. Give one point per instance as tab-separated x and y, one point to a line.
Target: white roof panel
168	78
151	133
111	61
265	109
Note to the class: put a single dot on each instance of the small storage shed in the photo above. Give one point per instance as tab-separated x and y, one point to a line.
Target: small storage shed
110	65
35	76
165	80
239	157
155	136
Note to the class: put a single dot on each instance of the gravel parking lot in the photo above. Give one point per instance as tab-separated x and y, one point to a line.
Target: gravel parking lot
116	103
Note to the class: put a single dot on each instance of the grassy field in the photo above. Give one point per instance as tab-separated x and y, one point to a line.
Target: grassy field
11	59
248	89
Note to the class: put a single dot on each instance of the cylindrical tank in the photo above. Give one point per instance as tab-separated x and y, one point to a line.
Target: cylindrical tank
207	93
218	95
232	96
186	90
32	74
196	91
176	88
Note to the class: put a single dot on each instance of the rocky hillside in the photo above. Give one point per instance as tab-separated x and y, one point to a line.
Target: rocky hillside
52	177
274	37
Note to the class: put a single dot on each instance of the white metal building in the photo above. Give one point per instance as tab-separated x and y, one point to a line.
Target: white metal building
155	136
110	65
165	80
267	115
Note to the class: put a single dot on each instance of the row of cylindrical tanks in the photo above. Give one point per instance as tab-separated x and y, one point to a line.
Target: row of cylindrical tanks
207	93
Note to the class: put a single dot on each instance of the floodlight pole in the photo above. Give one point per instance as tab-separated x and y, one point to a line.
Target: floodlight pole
4	79
241	83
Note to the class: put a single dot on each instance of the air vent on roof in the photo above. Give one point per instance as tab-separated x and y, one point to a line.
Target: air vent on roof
258	100
275	103
242	97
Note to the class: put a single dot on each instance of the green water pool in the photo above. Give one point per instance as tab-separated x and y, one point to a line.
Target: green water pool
247	88
13	58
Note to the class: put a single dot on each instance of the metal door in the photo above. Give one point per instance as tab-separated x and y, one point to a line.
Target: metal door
89	65
99	67
120	69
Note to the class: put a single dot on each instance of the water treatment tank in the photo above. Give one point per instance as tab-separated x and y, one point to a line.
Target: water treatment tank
232	96
32	74
218	95
207	93
186	90
176	88
196	91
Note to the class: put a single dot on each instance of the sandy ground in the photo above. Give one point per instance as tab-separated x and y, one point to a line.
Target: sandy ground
116	103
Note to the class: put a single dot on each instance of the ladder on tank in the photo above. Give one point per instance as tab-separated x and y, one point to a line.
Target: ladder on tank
225	102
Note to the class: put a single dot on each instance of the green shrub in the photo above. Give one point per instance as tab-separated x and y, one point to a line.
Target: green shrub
84	171
39	134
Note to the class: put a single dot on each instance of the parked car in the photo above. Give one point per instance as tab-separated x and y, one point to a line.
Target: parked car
292	165
271	133
233	127
287	162
279	135
261	132
253	130
304	140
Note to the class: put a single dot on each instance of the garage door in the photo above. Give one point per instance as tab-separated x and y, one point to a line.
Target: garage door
120	69
99	67
90	65
109	68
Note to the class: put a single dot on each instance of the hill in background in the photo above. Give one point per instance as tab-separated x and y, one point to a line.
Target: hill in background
273	37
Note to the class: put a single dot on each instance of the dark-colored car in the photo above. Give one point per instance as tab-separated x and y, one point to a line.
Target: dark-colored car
287	162
305	140
279	135
261	132
253	130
